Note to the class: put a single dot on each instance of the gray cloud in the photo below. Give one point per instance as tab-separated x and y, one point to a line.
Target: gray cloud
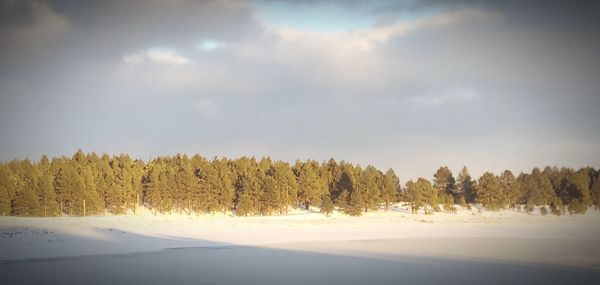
494	85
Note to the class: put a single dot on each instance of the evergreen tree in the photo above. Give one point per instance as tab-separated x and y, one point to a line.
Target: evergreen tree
152	190
247	186
511	188
443	181
7	189
368	188
105	178
26	201
356	204
87	184
137	187
286	185
464	187
225	190
420	194
538	189
489	192
345	185
327	206
93	202
70	186
308	184
595	192
391	188
48	198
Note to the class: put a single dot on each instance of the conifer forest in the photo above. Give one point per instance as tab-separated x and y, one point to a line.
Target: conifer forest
91	184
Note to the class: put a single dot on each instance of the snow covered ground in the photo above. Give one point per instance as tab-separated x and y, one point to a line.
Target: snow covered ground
33	238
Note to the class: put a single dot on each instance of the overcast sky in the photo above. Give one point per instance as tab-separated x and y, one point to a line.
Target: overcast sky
411	85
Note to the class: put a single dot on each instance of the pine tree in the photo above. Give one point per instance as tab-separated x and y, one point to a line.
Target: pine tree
538	189
308	184
511	188
137	174
595	192
105	178
429	194
225	189
391	188
356	204
443	181
152	190
93	202
420	194
244	205
247	186
369	187
345	185
465	186
287	185
489	192
7	189
69	187
26	201
270	198
327	206
48	198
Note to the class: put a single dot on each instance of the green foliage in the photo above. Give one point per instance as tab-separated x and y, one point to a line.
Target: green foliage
88	184
390	189
47	192
576	207
327	206
7	189
369	188
448	203
538	188
356	204
308	184
595	192
70	187
489	192
543	211
511	189
465	187
421	194
443	181
529	207
557	207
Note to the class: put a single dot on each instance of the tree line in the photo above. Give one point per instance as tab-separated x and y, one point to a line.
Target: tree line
89	184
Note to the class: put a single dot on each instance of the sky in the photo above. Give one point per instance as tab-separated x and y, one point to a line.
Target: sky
411	85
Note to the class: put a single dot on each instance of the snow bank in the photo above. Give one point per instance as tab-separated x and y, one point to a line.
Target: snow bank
30	238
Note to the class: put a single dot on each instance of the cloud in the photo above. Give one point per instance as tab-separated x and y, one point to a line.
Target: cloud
208	45
207	107
152	72
43	27
458	95
156	55
365	40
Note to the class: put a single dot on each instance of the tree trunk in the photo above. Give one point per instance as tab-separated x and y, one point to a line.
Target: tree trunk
84	207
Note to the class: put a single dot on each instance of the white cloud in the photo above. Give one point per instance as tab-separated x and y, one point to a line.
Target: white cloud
207	107
365	40
457	95
133	59
156	55
208	45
